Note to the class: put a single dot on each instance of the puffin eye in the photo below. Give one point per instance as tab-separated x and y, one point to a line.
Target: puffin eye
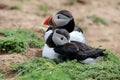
61	38
58	17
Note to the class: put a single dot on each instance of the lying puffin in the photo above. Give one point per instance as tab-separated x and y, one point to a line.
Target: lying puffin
66	49
64	20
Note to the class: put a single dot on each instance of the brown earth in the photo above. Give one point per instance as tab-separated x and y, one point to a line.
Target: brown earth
30	14
6	60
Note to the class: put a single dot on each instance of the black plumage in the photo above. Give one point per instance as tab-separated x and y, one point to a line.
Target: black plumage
79	51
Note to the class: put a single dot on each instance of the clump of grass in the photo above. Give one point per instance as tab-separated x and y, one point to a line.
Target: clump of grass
23	0
70	2
45	69
2	76
43	9
46	75
36	64
19	40
98	19
103	40
15	7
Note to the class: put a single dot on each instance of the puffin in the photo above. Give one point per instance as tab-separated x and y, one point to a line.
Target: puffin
65	49
63	19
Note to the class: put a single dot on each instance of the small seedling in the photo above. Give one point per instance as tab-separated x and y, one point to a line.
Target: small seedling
2	76
70	2
23	0
43	9
98	19
103	40
15	7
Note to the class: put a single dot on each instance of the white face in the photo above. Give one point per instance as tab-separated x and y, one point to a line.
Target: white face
61	20
59	39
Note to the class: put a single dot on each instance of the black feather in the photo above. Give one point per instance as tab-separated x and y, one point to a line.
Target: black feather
79	51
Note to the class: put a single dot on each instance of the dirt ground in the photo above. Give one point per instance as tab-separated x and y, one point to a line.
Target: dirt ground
30	14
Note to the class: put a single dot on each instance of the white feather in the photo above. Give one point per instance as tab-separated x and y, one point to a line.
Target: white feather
47	34
91	60
49	52
77	36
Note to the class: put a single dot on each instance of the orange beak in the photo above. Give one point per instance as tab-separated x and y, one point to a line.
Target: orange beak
46	22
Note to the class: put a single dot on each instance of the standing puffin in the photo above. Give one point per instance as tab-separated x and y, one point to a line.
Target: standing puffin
66	49
64	20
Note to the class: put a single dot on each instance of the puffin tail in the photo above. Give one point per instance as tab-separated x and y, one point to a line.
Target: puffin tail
96	53
101	52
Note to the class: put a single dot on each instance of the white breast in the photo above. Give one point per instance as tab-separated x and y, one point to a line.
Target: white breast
77	36
47	34
49	52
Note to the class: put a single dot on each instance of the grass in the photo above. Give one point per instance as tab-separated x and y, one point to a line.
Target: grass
23	0
103	40
43	10
2	76
98	19
19	40
45	69
70	2
15	7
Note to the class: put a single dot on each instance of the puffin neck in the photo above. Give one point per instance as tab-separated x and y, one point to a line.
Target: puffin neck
49	42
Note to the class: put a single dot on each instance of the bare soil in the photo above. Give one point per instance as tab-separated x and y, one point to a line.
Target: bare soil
6	60
31	15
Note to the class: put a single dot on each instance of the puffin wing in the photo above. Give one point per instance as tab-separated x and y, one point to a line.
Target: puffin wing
82	46
68	50
86	51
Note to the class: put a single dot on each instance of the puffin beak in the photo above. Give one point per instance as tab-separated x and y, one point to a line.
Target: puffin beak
53	22
47	20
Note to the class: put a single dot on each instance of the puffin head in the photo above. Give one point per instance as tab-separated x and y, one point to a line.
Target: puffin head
60	37
63	19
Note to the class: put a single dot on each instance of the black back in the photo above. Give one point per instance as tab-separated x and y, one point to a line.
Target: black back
77	28
79	51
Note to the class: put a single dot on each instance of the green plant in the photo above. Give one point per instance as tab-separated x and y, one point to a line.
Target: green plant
43	9
107	68
98	19
46	75
2	76
70	2
19	40
103	40
36	64
15	7
23	0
